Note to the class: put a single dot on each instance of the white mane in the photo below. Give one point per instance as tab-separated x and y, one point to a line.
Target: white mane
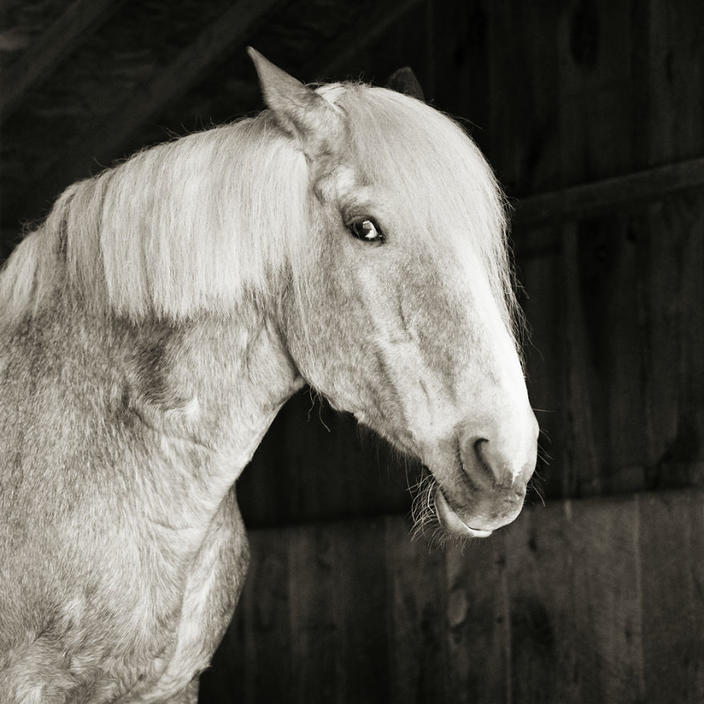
190	225
182	227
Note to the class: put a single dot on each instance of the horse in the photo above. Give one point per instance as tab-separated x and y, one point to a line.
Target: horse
348	237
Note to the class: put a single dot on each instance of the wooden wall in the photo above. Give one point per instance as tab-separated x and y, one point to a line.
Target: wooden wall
590	601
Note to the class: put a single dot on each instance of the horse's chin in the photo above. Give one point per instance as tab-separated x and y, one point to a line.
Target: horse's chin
453	522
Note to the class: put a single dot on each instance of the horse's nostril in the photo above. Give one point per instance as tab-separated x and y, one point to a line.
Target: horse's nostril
477	464
488	466
478	445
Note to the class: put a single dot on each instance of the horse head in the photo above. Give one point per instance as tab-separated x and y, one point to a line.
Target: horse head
401	309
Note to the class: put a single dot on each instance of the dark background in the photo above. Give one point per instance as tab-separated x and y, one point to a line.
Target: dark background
592	114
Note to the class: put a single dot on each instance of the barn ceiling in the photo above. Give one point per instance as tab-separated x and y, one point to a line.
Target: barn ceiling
87	82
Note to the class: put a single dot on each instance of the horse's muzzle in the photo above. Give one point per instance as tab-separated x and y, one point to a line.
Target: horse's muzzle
491	481
482	513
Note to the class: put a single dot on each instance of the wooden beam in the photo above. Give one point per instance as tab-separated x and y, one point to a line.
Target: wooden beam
46	52
611	193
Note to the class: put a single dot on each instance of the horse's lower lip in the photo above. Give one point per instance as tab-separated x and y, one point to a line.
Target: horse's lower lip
453	521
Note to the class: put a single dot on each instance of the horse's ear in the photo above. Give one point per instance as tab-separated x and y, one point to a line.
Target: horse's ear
403	80
299	110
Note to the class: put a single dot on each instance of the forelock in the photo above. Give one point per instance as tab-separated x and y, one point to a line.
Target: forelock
440	184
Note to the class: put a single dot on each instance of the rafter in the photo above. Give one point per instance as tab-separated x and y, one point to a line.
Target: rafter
46	52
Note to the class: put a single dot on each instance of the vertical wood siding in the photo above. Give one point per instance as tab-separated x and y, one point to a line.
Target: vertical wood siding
592	601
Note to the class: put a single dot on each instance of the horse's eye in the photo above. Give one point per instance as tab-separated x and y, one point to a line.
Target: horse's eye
366	229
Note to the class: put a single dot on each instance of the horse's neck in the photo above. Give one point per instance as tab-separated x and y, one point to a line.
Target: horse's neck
212	390
184	404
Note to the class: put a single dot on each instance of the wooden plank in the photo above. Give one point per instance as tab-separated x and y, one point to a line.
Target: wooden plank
638	364
417	608
606	633
607	271
523	151
674	62
692	361
661	334
260	632
613	124
607	194
594	91
671	284
672	593
46	52
363	645
671	289
312	614
540	607
580	455
477	623
611	257
594	126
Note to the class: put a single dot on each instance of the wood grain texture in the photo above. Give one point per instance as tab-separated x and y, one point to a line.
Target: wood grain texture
477	624
540	605
581	459
592	601
672	593
417	604
607	616
621	368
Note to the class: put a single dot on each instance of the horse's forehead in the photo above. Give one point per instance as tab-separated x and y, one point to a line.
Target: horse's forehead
416	186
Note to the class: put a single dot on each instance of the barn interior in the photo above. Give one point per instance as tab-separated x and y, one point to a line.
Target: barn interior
591	113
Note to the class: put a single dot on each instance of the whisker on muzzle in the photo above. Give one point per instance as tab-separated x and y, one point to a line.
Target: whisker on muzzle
423	513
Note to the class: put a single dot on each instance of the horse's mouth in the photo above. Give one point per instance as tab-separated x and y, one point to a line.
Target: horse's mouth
453	522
